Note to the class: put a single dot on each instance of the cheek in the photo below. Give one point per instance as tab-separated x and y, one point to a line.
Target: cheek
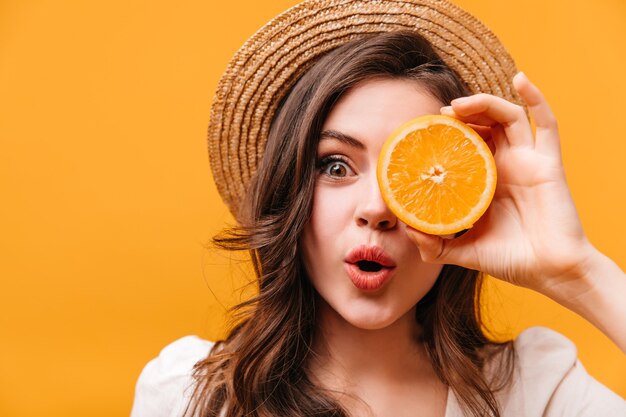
330	217
331	212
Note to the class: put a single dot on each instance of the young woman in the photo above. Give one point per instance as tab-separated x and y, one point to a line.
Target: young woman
358	314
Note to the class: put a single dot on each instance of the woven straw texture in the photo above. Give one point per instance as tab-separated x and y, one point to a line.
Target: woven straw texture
271	61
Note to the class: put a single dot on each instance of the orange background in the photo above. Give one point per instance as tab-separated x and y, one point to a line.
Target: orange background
107	198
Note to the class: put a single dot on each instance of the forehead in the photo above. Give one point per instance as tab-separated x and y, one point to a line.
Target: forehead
374	108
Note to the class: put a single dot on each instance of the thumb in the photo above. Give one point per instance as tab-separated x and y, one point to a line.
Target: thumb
430	246
441	249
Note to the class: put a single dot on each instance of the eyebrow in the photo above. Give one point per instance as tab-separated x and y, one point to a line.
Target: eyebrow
342	137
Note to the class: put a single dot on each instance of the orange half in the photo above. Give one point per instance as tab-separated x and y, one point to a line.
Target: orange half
436	174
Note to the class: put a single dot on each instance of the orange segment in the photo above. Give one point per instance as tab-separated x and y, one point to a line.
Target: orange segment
436	174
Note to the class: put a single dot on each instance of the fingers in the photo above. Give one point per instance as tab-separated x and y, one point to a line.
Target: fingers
441	249
430	246
483	131
547	140
488	110
537	106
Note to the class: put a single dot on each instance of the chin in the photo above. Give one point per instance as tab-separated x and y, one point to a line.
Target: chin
371	319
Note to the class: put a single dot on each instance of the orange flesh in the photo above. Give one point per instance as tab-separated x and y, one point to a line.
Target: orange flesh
436	188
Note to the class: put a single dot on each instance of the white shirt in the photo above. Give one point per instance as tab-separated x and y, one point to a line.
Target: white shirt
549	381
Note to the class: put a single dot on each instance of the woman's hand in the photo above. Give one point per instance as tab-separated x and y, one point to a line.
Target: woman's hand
531	234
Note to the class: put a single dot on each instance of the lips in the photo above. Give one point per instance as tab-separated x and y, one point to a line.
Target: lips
369	267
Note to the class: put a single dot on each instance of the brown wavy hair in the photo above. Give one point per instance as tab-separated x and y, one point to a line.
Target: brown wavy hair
260	368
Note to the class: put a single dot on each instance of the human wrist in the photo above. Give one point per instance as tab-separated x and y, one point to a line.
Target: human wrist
603	279
595	291
571	282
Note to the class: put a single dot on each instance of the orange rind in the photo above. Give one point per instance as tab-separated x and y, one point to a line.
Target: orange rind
436	174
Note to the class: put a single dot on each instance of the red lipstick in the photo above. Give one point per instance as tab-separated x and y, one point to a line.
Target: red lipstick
369	267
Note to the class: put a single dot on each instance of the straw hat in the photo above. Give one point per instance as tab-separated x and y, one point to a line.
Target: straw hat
271	61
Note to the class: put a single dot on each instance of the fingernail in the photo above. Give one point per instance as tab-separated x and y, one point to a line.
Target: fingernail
446	109
460	100
522	74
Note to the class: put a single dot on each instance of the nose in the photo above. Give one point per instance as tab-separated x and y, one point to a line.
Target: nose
372	211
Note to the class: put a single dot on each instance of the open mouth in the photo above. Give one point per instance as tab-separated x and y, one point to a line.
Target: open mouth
369	258
369	266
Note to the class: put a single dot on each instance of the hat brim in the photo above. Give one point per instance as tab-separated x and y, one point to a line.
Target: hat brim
266	67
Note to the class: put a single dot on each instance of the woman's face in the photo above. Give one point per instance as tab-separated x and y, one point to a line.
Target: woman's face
357	254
